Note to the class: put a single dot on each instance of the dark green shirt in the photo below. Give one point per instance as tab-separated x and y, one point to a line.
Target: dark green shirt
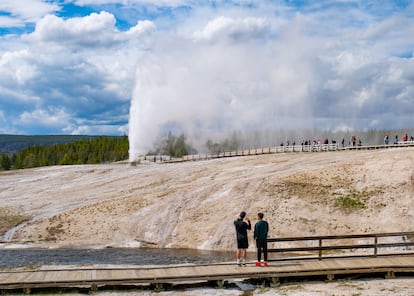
261	228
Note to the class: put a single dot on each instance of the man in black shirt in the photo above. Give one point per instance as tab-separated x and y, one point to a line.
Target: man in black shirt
242	240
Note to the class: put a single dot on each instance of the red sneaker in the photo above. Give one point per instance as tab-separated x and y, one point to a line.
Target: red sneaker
265	263
257	263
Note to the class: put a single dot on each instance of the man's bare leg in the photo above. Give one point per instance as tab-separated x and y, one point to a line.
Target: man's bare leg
238	255
244	255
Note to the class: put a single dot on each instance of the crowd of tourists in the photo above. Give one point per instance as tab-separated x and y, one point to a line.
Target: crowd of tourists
404	139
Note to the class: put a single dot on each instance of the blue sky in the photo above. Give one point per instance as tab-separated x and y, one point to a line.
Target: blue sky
87	66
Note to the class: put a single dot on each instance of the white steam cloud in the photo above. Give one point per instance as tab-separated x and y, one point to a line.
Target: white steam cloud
257	73
227	77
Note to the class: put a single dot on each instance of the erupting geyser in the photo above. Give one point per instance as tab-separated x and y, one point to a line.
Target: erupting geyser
201	87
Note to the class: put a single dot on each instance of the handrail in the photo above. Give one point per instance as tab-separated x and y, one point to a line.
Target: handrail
282	149
344	236
322	248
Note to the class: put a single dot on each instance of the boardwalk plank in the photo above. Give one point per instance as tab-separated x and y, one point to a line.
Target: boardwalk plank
12	277
170	274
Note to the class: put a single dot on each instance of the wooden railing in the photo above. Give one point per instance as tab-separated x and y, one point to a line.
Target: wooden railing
270	150
266	150
328	247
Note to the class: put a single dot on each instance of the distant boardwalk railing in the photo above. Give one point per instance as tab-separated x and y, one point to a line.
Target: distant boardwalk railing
286	149
267	150
343	246
271	150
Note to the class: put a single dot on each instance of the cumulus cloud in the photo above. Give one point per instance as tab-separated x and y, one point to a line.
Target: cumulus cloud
17	66
161	3
142	27
96	29
71	70
225	27
25	11
6	21
44	117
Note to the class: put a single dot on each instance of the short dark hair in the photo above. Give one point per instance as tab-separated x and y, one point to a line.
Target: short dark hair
260	215
242	215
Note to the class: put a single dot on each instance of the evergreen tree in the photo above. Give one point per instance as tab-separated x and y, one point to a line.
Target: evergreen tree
5	161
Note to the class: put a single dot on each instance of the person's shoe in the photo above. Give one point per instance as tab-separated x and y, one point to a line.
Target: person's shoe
265	263
238	264
257	263
244	264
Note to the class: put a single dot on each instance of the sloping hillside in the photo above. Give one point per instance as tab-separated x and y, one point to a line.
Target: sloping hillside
193	204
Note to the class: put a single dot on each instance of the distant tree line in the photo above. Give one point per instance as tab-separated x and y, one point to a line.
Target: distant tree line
84	151
14	143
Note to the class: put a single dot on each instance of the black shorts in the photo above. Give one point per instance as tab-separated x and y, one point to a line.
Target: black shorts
242	243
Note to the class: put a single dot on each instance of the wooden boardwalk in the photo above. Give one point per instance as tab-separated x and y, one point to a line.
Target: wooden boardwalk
94	277
274	150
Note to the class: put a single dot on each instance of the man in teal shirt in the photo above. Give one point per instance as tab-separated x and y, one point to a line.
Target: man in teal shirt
261	228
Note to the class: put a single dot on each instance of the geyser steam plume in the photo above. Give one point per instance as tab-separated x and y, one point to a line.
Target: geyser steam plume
202	87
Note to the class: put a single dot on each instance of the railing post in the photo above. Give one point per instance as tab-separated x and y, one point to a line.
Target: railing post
375	246
320	250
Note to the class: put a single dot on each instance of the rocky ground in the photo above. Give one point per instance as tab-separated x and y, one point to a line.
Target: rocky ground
193	204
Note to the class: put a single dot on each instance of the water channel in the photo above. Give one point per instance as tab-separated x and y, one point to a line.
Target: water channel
12	258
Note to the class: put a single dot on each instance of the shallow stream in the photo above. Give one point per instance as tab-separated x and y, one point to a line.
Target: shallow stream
10	258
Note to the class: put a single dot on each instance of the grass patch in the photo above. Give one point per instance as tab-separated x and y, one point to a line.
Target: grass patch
349	202
307	186
54	231
10	218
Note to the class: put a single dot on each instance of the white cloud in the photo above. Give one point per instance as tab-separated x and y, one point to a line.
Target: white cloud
26	10
162	3
39	117
379	30
94	30
142	27
348	62
17	66
225	27
6	22
94	130
68	70
54	29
